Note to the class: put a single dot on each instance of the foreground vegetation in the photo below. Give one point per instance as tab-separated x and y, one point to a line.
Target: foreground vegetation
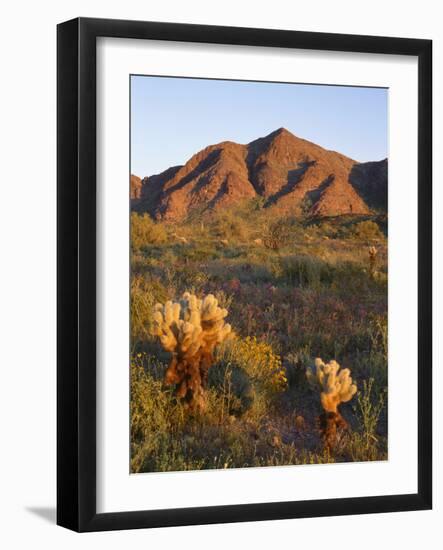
295	289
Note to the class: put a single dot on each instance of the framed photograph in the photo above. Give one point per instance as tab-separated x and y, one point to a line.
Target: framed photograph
244	274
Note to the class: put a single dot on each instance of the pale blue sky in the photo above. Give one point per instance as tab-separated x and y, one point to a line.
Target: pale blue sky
173	118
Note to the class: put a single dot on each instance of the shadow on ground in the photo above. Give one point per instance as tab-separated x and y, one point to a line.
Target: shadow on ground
46	513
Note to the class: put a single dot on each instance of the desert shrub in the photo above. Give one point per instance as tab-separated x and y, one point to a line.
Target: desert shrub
254	272
306	271
226	224
368	410
153	414
152	365
257	360
306	206
181	277
366	443
277	234
224	299
327	229
231	252
236	387
295	364
351	278
199	253
357	449
378	327
366	231
372	361
372	365
256	203
248	271
169	256
144	295
144	231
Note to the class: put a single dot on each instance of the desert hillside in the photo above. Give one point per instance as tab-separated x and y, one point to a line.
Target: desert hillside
285	172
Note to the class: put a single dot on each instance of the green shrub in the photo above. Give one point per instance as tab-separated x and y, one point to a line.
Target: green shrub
366	231
185	277
257	360
354	279
153	415
226	224
306	271
296	364
277	234
144	231
366	443
235	386
327	229
196	253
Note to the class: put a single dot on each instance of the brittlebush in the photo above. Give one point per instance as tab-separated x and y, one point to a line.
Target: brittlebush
258	360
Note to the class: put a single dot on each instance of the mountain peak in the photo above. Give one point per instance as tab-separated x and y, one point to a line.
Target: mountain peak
280	132
289	173
278	135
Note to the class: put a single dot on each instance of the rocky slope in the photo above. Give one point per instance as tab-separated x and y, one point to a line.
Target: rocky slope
136	187
290	174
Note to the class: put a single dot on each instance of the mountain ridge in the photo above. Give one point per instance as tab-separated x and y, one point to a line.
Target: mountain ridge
289	173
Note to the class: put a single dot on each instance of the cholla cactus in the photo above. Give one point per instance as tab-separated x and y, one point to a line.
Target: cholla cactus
190	329
335	387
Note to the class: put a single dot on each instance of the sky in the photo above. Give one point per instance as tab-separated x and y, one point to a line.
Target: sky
174	118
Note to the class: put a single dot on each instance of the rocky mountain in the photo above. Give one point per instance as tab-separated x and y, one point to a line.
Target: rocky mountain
136	187
370	180
289	173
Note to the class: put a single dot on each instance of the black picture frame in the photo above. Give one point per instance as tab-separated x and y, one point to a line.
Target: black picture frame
76	265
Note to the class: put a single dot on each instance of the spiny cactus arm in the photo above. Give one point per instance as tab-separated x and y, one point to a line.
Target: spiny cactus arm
215	334
212	327
321	373
209	302
176	308
190	338
335	385
213	323
185	326
189	303
163	330
330	371
210	310
170	312
195	317
347	396
224	333
316	375
347	388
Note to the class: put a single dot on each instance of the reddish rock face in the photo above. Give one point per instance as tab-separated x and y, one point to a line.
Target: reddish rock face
136	187
289	173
